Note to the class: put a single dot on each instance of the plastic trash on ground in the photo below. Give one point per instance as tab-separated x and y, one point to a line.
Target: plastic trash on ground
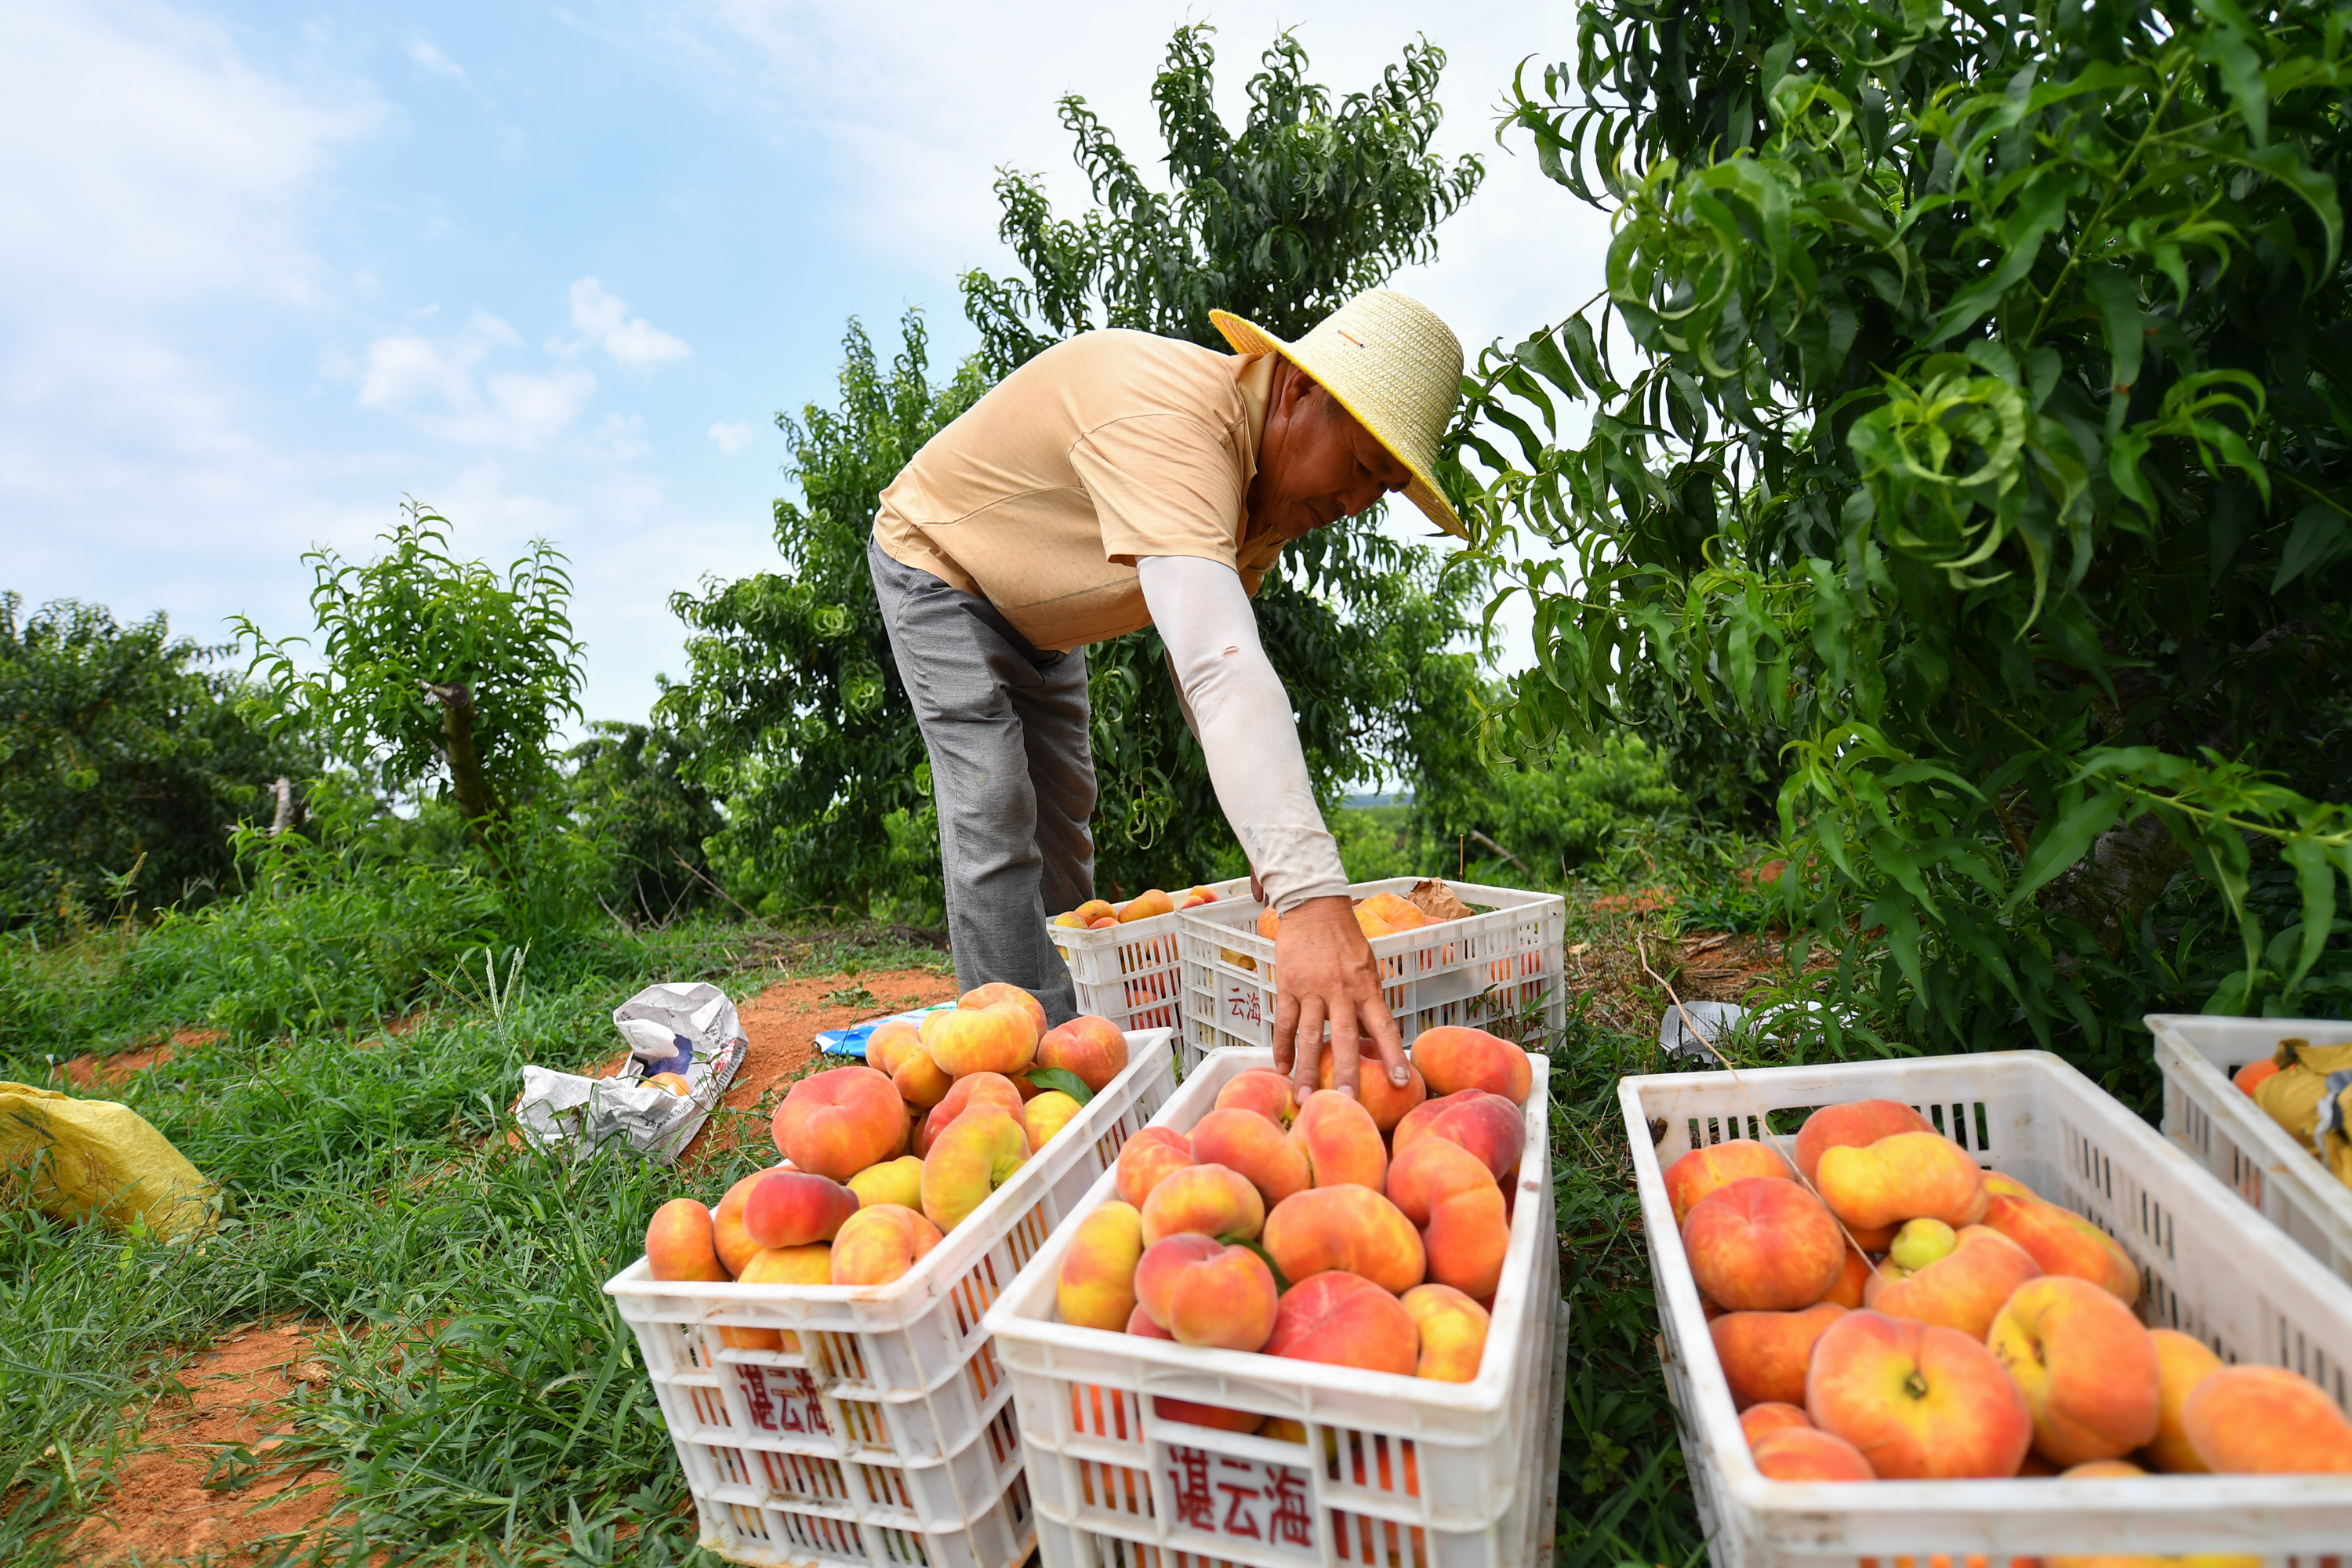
850	1041
686	1030
96	1156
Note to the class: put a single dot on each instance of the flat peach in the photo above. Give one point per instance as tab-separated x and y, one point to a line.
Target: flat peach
899	1181
835	1123
1145	1158
1095	1286
1486	1124
1453	1057
1206	1293
1467	1240
996	993
1192	1413
878	1246
1854	1283
974	1155
735	1248
971	1090
1252	1144
1921	1403
678	1243
793	1208
1047	1114
1762	1244
1452	1330
1206	1200
1089	1046
1344	1320
1911	1175
2266	1421
1144	905
1765	1354
1340	1140
1961	1290
1094	910
2181	1364
1806	1454
2064	1242
2101	1469
1713	1167
1263	1090
1857	1124
1001	1039
2086	1368
896	1048
1386	1103
1758	1419
1429	1172
1347	1227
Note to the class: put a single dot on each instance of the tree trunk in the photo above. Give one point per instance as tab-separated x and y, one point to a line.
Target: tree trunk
466	781
2109	889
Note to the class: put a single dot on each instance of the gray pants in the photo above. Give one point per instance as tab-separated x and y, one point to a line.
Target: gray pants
1012	774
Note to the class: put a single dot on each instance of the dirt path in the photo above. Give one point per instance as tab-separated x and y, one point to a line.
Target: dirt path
160	1509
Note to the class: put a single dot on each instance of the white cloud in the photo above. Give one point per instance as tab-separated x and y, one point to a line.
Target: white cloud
604	319
437	384
422	51
732	439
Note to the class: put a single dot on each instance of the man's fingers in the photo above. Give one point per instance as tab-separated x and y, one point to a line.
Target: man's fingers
1307	1059
1344	1047
1285	1024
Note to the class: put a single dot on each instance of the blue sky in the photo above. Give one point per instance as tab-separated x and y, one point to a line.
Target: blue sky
265	270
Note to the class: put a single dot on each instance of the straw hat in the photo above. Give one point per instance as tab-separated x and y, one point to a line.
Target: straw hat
1393	364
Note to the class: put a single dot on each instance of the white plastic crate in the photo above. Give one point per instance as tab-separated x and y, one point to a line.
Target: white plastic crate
1130	974
882	1431
1395	1469
2208	1268
2220	1123
1499	970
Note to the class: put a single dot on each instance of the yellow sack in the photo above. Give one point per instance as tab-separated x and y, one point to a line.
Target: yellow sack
2311	1096
85	1156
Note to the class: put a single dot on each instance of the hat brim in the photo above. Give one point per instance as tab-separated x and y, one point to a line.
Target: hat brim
1248	338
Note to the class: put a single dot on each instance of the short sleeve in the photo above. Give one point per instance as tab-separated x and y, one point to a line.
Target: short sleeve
1161	484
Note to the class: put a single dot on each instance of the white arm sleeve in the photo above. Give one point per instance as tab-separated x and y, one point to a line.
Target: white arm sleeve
1242	716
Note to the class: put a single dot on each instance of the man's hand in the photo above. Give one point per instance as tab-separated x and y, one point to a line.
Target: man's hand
1324	974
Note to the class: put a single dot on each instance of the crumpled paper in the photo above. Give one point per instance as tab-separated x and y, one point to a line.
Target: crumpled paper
688	1029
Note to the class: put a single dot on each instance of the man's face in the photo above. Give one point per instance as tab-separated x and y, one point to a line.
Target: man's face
1316	463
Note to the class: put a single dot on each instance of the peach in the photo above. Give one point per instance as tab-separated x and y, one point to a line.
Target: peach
976	1154
1758	1419
1345	1319
1340	1140
877	1246
1717	1165
1094	910
1963	1289
1107	923
1762	1244
2251	1077
793	1208
1806	1454
835	1123
780	1265
898	1049
1253	1145
1386	1103
1453	1329
1206	1200
1452	1057
1089	1047
1997	1186
1910	1175
2181	1364
1394	912
1206	1293
1853	1284
890	1039
1145	1158
2086	1367
1486	1124
679	1245
899	1181
1071	920
1432	1170
1144	905
1858	1124
1139	1324
1263	1090
1002	1038
1347	1227
734	1247
2064	1242
1046	1115
996	993
1201	894
980	1089
1095	1288
2266	1421
756	1339
1268	924
1764	1354
670	1081
1920	1402
1466	1239
2101	1469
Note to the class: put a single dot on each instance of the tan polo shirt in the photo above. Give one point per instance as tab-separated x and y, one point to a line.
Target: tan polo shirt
1106	447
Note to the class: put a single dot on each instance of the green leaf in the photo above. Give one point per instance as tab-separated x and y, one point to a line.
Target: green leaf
2316	539
2315	879
1061	1079
2065	841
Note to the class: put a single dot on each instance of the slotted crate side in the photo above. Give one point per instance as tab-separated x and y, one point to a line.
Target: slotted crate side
2209	1270
1499	970
1131	975
2222	1126
1001	1534
1102	1462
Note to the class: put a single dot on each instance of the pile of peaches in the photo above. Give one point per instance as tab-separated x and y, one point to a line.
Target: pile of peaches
1382	914
1099	914
1365	1231
881	1161
1885	1309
